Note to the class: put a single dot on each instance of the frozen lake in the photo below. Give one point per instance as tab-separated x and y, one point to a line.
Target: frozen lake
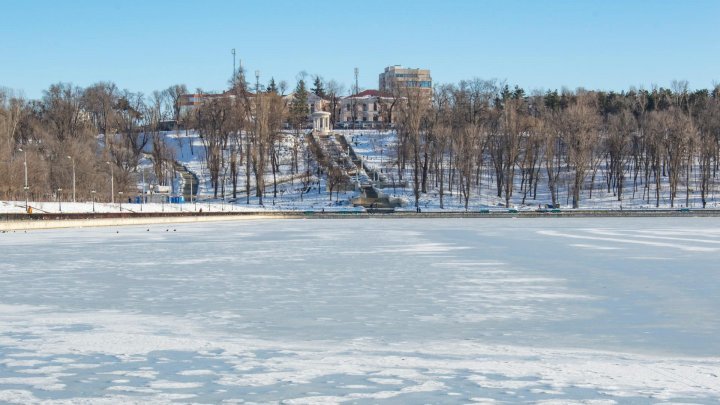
364	311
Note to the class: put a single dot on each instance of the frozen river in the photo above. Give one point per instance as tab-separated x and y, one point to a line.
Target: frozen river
364	311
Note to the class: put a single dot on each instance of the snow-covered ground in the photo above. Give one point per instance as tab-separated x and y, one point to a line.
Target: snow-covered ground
407	311
291	195
378	150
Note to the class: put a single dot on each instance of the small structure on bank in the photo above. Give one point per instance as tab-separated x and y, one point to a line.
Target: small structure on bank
375	201
321	122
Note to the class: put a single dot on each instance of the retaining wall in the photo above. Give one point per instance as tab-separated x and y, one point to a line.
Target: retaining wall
73	220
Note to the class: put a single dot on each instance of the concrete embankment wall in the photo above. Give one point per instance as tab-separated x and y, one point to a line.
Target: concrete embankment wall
80	221
46	221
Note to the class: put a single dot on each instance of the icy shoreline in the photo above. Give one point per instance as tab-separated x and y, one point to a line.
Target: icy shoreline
12	222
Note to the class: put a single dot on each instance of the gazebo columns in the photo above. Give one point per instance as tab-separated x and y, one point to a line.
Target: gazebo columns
321	122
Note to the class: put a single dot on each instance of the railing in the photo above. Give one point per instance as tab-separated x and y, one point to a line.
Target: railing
408	212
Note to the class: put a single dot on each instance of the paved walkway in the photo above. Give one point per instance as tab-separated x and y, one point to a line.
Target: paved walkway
190	182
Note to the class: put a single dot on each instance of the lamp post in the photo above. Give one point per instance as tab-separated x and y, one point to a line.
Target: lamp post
120	193
26	188
191	189
142	199
73	166
59	199
93	199
112	183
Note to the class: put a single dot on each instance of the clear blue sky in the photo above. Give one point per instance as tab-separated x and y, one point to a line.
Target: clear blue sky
149	45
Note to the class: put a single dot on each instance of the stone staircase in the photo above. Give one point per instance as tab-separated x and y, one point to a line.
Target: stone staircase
190	182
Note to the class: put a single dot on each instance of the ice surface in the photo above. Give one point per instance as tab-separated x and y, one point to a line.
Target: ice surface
366	310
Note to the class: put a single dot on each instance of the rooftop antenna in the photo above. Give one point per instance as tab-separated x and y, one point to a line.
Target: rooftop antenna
234	70
356	81
354	106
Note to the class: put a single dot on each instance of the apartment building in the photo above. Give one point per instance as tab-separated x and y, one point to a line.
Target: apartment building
397	77
191	101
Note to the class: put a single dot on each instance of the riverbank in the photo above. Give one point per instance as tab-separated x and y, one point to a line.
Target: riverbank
11	222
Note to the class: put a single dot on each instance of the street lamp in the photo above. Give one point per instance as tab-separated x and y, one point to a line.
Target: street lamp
142	199
93	199
121	198
59	199
73	165
26	188
112	183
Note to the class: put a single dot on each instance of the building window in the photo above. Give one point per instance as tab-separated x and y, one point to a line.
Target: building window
365	107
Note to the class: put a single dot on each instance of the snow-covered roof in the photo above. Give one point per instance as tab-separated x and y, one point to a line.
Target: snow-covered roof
369	93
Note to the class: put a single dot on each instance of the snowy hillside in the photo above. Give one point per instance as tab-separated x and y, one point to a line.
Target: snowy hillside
378	152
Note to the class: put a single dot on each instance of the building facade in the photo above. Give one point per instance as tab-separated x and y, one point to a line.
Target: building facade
314	102
367	109
396	78
190	102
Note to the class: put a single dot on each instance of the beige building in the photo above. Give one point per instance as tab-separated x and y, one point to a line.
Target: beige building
191	101
367	109
314	102
397	77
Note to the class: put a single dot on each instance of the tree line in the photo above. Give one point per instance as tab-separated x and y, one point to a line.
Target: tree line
470	138
99	131
651	145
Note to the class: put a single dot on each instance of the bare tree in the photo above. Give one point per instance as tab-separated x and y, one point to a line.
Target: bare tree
334	90
100	101
414	109
580	132
173	94
214	121
618	146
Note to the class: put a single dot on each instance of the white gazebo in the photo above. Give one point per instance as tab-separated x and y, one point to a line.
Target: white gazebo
321	122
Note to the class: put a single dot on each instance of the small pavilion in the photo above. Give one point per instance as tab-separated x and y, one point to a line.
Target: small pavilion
321	122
